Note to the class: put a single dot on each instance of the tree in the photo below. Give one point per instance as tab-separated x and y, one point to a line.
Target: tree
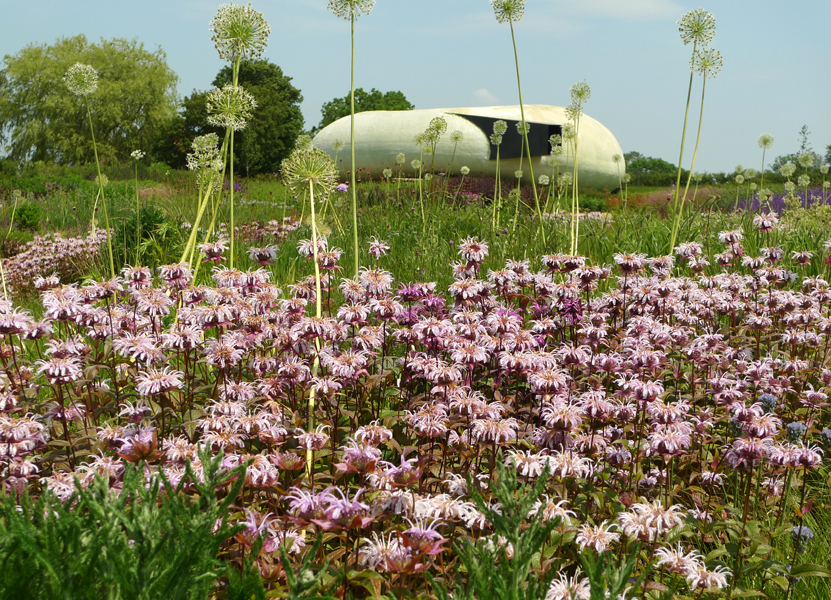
804	144
41	120
277	120
647	164
270	134
828	154
364	101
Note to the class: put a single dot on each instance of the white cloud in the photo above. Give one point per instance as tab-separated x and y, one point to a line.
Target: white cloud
484	96
630	10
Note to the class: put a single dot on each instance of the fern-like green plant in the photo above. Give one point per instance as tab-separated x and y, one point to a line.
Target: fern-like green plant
491	575
145	542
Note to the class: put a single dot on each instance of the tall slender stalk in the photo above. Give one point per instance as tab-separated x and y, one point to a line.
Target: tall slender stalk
103	198
355	247
525	136
679	209
707	62
699	27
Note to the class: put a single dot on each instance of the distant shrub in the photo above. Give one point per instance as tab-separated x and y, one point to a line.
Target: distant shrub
27	217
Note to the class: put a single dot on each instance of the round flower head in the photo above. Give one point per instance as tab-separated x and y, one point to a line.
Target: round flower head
137	154
787	169
580	92
464	171
310	166
543	180
351	9
437	128
81	79
230	107
749	173
803	180
518	173
239	32
400	158
387	173
707	61
823	169
337	145
739	179
205	157
457	136
806	160
697	26
415	164
508	10
500	127
766	141
496	139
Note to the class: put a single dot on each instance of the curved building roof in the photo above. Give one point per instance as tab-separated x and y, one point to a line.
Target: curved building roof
381	135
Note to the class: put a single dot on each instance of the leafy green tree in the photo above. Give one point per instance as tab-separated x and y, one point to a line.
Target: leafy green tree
828	154
41	120
364	101
277	120
647	164
270	134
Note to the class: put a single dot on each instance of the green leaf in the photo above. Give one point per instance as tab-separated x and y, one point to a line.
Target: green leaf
810	570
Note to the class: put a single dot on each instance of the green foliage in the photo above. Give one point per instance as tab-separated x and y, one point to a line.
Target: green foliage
27	217
607	579
267	139
126	545
304	583
491	575
364	101
41	120
124	237
8	168
646	170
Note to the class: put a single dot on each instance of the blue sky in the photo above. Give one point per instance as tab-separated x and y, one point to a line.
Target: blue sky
452	53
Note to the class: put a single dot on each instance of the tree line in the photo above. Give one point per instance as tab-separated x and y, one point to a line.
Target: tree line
136	108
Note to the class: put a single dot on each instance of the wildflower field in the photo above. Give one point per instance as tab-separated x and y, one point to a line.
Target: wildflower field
209	390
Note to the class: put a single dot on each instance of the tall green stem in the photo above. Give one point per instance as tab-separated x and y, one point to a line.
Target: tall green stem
681	155
575	197
680	209
497	191
231	187
231	173
138	218
101	191
352	149
525	134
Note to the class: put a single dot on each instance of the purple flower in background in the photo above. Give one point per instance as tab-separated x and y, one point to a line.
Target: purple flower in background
342	187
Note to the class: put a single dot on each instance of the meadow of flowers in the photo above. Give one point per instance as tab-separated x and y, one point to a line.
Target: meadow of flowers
669	415
258	419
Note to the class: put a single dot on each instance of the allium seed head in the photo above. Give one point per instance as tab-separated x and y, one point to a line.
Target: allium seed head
697	26
508	10
351	9
230	107
239	32
81	79
707	61
310	167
